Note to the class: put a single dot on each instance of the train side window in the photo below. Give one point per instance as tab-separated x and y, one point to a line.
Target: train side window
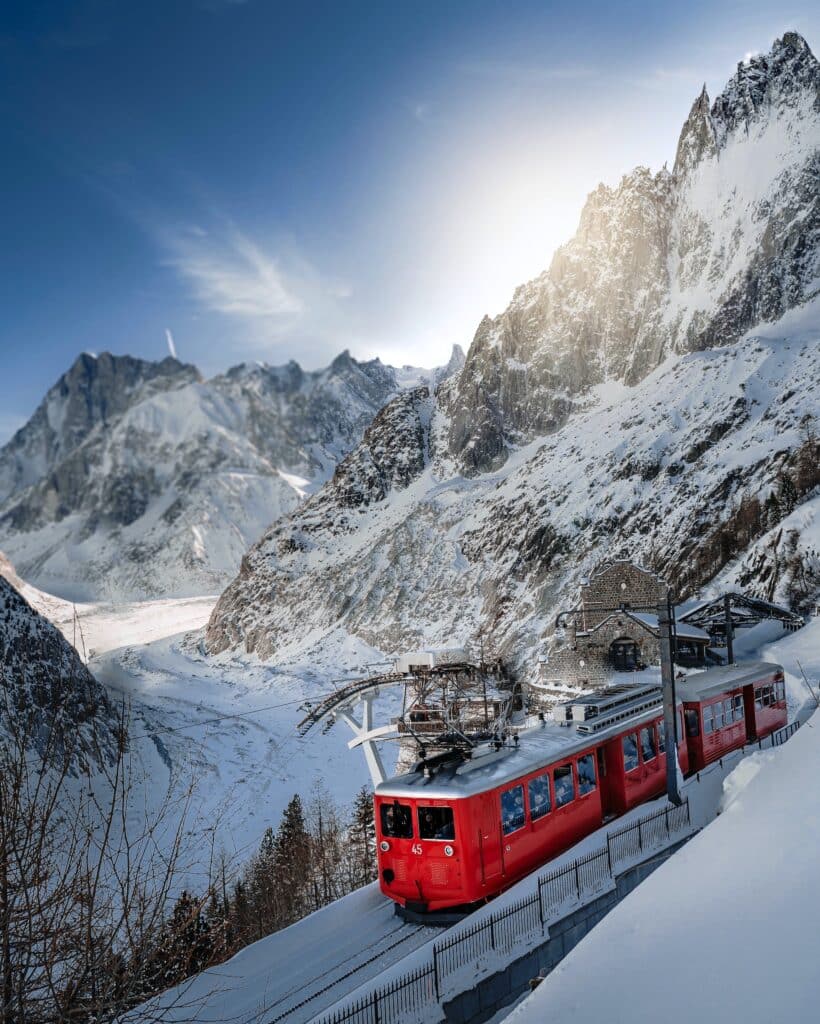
564	786
512	809
717	712
586	774
648	751
738	700
692	722
436	823
727	711
759	699
396	820
662	737
630	749
708	724
539	794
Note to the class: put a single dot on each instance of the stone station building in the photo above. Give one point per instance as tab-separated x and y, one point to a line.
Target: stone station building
598	641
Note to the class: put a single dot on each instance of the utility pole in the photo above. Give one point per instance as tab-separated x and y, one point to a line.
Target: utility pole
670	716
730	637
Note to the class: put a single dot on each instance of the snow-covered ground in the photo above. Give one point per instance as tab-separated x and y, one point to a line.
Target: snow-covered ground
224	728
728	928
298	972
350	945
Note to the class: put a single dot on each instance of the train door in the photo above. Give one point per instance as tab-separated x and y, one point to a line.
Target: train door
491	864
749	712
608	800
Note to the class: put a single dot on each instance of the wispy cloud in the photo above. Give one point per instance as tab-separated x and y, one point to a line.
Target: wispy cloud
267	287
231	274
523	74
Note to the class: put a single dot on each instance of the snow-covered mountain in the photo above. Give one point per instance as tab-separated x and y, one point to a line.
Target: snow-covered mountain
662	263
47	694
138	479
665	367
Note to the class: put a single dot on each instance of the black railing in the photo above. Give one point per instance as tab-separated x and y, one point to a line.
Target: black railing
557	892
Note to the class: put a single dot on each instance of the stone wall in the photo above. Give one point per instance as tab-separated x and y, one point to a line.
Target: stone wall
585	662
617	583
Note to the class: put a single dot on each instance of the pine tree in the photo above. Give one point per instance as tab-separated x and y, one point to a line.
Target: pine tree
786	494
291	861
362	835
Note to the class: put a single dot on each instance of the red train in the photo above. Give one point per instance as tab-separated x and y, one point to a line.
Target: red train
456	831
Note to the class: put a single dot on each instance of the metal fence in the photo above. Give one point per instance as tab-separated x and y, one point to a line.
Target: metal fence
558	893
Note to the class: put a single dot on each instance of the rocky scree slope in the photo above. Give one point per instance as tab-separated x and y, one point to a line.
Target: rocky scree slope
662	263
652	462
138	479
46	693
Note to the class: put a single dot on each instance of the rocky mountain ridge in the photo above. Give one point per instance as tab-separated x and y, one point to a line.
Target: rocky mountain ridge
137	479
662	263
626	404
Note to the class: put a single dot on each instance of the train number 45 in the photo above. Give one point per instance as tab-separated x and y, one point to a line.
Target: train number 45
417	848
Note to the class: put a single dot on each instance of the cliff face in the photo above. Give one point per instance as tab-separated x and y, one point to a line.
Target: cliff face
660	264
46	692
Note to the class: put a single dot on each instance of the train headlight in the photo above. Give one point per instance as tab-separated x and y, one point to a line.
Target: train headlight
384	846
448	851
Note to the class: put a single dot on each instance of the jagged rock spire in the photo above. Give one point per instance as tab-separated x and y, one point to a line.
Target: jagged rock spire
697	138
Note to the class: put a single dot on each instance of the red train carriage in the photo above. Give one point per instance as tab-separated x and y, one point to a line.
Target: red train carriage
729	706
456	831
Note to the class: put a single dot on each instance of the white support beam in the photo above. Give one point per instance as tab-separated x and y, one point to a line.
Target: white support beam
365	734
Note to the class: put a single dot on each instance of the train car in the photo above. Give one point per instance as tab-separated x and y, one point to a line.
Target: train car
458	829
729	706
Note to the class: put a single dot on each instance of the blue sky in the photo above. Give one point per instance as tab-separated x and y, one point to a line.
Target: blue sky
274	180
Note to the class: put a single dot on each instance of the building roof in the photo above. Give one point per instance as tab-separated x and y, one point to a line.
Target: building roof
682	629
650	622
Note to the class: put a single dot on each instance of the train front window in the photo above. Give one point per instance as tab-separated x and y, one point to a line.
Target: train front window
512	809
648	745
662	737
564	786
630	748
586	774
436	823
396	820
539	791
692	723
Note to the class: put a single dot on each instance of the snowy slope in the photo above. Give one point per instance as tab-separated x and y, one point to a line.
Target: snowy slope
744	896
665	365
138	479
444	558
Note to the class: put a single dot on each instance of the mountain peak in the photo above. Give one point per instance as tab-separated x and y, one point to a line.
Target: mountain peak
697	137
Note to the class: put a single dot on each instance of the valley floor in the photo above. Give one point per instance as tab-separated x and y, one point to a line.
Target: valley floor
222	728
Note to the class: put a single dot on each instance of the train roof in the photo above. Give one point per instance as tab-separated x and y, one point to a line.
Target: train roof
537	747
725	677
